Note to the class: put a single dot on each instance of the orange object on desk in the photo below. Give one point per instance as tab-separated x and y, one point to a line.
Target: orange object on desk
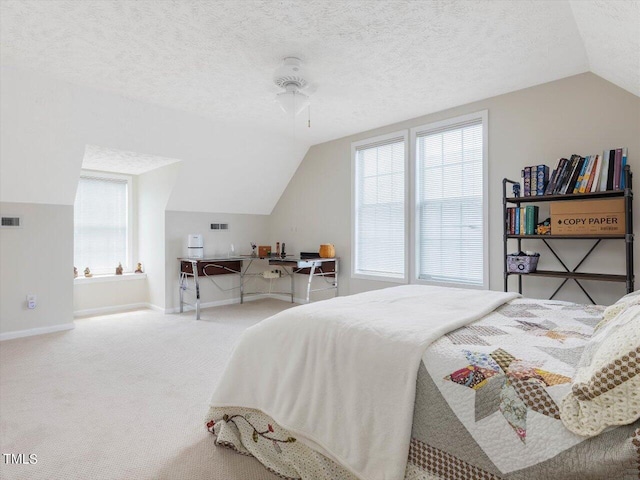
327	250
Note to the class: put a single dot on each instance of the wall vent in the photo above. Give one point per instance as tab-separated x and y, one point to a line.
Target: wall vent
11	222
219	226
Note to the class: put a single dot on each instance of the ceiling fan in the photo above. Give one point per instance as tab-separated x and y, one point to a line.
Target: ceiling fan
291	77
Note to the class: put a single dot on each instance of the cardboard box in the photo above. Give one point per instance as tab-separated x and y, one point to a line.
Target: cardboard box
264	251
588	217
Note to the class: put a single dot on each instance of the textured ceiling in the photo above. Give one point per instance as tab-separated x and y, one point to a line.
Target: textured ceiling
117	161
217	58
371	63
611	34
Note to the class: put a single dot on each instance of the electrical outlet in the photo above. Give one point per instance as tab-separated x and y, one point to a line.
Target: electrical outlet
31	301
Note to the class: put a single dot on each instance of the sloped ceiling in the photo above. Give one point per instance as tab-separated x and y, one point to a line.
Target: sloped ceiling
372	63
610	31
117	161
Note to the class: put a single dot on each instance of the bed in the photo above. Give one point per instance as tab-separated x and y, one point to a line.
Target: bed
417	382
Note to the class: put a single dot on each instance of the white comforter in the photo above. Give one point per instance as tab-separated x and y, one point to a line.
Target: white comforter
341	374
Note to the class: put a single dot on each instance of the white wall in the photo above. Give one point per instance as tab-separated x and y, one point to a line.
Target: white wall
96	296
581	114
46	123
154	190
243	229
36	259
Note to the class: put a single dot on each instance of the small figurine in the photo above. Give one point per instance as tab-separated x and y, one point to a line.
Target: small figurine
119	269
87	273
139	268
282	253
253	249
516	189
75	272
277	249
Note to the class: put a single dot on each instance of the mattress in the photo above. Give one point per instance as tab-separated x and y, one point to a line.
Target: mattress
486	407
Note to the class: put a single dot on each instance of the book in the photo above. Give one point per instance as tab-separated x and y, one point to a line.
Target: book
512	220
506	222
593	177
542	179
576	175
552	178
604	171
517	222
527	182
624	164
522	212
571	164
531	219
577	161
582	188
610	172
583	170
562	176
617	169
534	181
556	182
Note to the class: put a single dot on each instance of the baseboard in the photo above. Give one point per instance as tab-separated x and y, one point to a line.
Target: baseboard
155	308
286	298
230	301
36	331
91	312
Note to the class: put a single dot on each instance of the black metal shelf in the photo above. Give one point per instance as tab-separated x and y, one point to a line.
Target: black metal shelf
573	274
603	277
569	196
567	237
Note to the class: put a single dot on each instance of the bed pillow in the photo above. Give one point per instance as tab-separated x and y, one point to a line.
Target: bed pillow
606	387
612	311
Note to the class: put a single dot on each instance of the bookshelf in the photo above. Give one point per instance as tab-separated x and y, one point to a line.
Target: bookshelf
573	274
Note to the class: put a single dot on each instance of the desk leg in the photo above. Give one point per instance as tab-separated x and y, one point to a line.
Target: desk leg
181	287
292	281
311	272
197	284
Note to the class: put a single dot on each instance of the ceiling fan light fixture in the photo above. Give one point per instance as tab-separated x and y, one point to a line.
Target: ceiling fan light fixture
290	77
292	102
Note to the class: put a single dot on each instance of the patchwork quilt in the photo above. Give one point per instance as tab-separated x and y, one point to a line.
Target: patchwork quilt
486	408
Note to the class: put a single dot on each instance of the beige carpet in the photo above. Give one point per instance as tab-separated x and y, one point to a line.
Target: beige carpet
123	397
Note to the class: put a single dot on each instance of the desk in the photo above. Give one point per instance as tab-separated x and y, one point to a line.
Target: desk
196	268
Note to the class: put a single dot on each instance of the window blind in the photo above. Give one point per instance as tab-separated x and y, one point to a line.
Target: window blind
449	199
101	224
380	209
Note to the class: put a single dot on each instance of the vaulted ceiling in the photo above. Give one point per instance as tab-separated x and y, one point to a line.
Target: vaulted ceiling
372	63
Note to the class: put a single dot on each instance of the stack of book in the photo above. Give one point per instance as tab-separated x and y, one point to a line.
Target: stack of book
522	220
535	180
593	173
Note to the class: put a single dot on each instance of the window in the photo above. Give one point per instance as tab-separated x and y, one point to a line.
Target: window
450	211
102	230
447	214
379	204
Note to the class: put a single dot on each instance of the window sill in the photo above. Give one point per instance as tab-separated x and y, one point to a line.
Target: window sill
109	278
378	278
